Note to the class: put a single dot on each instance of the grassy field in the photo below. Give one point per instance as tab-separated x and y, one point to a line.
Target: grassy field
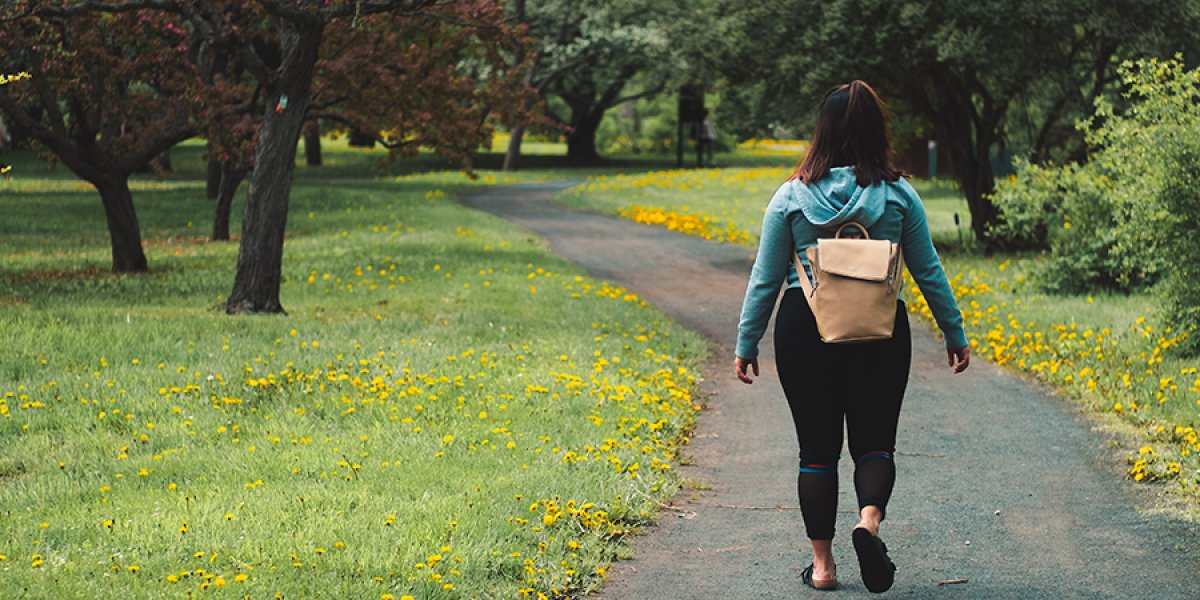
1111	353
446	411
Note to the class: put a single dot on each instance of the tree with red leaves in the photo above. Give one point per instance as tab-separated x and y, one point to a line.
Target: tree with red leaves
438	81
114	91
422	72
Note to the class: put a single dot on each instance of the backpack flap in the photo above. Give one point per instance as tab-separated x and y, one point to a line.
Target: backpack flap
868	260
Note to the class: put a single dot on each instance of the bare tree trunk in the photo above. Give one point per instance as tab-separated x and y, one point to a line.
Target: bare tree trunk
635	124
581	142
360	139
967	144
973	169
312	144
260	255
123	229
514	139
232	175
978	189
212	181
514	148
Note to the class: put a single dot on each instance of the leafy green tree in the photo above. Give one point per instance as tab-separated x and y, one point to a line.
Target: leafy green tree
967	67
586	53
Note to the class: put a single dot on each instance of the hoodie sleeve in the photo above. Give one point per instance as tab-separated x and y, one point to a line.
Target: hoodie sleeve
926	269
775	247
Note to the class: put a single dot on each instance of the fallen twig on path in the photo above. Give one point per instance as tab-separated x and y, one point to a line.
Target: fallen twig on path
952	581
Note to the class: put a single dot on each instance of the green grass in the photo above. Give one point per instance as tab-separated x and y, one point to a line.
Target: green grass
1111	353
446	411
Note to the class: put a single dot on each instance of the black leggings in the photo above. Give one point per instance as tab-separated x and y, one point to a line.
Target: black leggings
862	384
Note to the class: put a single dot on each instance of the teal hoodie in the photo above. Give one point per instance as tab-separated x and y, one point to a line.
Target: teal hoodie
800	213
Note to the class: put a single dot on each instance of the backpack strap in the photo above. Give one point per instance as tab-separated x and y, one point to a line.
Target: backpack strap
808	286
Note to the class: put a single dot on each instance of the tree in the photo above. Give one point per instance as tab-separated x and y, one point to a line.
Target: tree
411	83
967	68
279	43
231	111
115	90
585	53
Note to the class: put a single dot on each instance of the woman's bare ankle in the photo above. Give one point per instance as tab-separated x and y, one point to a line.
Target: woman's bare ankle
823	563
869	518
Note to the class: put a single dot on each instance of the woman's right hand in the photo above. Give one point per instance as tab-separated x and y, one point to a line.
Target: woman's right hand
959	359
739	367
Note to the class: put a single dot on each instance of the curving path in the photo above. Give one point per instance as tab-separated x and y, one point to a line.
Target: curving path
998	484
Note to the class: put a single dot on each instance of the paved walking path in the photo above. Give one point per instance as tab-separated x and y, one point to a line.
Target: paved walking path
997	484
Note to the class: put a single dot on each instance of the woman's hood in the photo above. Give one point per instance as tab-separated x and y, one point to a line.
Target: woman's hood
837	198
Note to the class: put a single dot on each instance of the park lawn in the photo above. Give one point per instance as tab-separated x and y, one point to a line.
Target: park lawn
1110	353
446	411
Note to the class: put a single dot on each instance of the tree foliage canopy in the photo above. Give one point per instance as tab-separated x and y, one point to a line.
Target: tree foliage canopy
589	52
968	68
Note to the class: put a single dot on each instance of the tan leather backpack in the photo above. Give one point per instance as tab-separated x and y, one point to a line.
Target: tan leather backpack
855	283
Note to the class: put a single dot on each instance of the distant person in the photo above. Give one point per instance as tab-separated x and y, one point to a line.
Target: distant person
847	175
707	142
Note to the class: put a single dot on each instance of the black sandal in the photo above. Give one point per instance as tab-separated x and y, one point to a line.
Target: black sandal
878	571
817	584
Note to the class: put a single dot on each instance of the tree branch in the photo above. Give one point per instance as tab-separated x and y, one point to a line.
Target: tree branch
557	72
40	132
326	104
181	130
646	93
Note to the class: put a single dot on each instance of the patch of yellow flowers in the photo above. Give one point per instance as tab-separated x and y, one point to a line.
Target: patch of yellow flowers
7	79
704	226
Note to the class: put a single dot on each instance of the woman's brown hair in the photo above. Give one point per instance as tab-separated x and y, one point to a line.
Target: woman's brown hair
851	130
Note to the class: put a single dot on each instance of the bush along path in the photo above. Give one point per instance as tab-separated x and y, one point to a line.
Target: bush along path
1002	491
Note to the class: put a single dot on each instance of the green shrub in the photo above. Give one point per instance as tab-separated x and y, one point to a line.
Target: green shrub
1081	216
1030	203
1154	148
1125	219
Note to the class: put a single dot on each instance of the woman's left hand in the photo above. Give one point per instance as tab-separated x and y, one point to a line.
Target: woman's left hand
959	359
739	367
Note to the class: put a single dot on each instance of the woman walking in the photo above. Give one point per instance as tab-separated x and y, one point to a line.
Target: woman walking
846	176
